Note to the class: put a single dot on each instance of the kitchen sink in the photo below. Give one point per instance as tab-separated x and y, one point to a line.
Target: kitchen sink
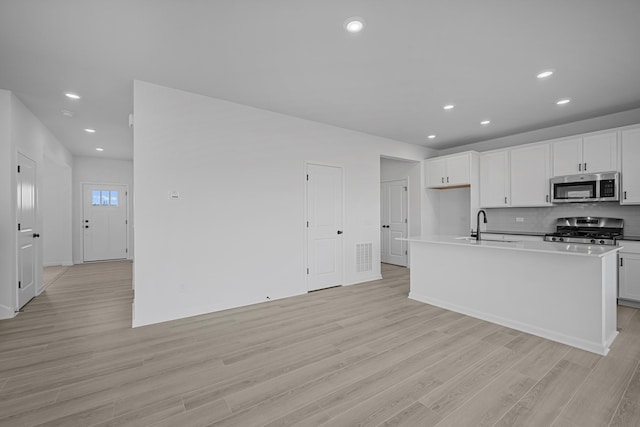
473	239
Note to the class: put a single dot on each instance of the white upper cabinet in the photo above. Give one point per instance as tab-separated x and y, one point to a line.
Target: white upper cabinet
494	179
448	171
567	157
530	170
458	169
435	172
600	153
630	192
593	153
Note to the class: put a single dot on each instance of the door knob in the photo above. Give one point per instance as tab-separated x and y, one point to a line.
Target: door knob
339	231
86	226
86	220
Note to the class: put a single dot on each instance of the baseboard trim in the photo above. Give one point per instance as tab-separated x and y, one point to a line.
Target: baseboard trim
601	348
6	312
628	303
368	279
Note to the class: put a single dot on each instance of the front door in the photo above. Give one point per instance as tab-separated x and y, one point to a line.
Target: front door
26	180
324	226
104	222
393	215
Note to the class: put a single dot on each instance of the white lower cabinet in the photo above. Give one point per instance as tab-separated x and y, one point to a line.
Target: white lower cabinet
629	271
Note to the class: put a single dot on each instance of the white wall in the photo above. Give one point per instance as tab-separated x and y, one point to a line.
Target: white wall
21	132
57	211
236	234
7	210
583	126
391	170
94	170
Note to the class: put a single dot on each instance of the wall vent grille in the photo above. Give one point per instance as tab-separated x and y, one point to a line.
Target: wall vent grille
364	257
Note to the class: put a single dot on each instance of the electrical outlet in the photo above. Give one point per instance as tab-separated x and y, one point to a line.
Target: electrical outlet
519	219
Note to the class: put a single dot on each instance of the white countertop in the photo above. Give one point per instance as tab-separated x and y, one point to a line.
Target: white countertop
546	247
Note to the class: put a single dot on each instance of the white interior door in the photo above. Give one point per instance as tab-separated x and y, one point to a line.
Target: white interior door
394	217
104	222
324	226
26	182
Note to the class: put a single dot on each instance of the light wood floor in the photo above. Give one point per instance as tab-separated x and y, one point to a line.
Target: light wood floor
357	355
51	274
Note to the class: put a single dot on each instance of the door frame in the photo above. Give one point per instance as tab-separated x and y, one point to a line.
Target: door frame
407	179
305	233
81	222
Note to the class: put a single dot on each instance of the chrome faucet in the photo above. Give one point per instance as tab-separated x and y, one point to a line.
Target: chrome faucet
484	214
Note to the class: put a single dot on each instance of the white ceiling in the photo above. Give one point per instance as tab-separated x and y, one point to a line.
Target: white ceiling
294	57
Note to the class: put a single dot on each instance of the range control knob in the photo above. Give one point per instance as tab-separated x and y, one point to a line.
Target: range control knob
602	242
593	240
561	239
553	239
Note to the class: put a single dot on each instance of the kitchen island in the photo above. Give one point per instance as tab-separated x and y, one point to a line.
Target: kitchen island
562	292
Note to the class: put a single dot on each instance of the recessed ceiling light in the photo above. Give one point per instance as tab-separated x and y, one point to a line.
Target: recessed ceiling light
485	122
355	24
544	74
431	136
563	101
72	95
448	107
90	130
99	149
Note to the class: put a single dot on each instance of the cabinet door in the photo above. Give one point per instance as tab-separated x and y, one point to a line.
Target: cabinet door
457	169
600	153
494	179
629	276
567	157
435	172
530	171
630	167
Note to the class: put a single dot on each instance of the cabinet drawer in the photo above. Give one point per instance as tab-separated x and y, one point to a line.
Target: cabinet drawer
630	246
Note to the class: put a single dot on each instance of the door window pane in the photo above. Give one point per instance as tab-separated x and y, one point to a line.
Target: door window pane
105	198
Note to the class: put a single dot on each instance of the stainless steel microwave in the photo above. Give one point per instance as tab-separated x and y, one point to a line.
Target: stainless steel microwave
592	187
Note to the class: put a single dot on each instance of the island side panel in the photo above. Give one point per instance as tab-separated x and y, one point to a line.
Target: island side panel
556	296
610	298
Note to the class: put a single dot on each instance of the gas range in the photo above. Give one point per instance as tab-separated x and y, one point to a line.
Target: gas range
588	230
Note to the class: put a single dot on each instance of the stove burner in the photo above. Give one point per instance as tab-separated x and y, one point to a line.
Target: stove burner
589	230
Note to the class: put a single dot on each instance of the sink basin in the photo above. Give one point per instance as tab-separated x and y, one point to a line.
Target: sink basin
473	239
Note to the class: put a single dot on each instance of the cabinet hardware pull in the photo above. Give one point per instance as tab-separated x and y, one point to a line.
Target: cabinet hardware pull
447	180
505	200
442	179
547	198
621	264
585	167
625	195
579	167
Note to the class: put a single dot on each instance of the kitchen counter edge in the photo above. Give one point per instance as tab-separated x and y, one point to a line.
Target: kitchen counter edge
544	247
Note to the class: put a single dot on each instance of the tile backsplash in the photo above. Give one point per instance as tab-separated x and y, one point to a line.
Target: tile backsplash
544	219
